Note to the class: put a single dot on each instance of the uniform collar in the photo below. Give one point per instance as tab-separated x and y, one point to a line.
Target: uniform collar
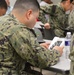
59	5
14	18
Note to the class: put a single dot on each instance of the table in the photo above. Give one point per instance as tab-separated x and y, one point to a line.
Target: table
63	66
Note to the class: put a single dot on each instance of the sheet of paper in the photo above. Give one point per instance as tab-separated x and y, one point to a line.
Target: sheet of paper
56	42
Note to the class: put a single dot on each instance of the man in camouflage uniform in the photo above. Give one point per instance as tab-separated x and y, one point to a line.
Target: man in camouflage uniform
55	16
18	44
71	18
71	26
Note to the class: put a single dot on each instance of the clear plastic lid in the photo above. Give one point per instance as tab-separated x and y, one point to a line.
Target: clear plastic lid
68	35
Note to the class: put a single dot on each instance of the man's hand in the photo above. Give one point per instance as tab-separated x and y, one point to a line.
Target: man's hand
60	49
46	45
47	26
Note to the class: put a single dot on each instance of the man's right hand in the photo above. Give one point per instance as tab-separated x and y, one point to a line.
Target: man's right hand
58	48
47	26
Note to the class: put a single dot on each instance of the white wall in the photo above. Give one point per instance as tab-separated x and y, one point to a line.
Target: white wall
54	1
13	1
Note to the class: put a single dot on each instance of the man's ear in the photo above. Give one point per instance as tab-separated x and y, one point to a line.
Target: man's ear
28	14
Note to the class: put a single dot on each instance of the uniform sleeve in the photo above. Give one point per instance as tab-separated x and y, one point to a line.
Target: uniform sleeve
60	22
44	13
71	26
28	48
42	17
72	56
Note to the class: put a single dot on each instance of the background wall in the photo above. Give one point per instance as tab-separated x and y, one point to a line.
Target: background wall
54	1
13	1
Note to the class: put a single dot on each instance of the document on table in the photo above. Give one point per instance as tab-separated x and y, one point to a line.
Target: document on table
56	42
63	63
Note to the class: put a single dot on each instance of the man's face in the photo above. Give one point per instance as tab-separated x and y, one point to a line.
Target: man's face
32	19
68	6
2	11
49	1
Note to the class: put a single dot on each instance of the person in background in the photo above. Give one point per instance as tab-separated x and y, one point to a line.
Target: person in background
71	26
18	43
45	2
3	7
58	20
9	9
71	22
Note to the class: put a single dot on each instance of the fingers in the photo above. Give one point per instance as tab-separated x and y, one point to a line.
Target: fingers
46	45
47	25
62	47
58	48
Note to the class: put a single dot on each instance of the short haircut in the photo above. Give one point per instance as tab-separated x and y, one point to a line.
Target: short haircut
73	2
24	5
3	4
66	0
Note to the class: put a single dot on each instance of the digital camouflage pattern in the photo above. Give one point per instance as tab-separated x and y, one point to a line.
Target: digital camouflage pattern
57	19
71	21
18	45
71	26
72	56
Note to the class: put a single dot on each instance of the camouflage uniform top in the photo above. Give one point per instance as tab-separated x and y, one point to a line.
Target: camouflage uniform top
18	45
57	18
71	26
71	21
72	56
